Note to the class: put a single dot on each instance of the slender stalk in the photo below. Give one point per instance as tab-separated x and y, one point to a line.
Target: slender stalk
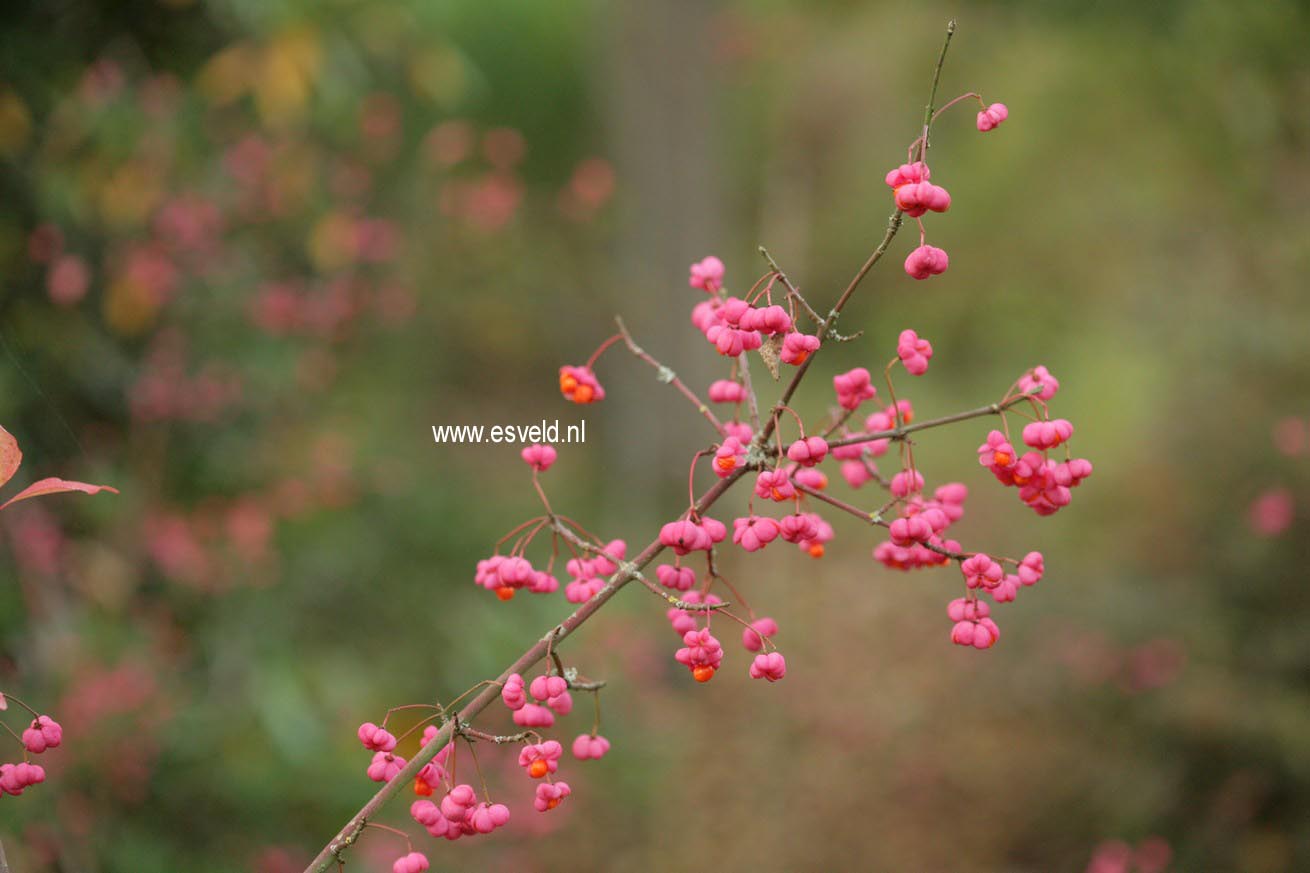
932	94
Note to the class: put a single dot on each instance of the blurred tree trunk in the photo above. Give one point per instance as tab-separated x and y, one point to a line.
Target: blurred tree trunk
660	101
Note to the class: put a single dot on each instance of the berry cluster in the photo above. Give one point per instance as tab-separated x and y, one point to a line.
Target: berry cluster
916	196
1044	482
41	735
459	809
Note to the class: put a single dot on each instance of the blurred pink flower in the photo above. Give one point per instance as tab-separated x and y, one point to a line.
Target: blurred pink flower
1271	512
589	188
68	279
189	223
248	161
488	203
249	528
149	267
175	549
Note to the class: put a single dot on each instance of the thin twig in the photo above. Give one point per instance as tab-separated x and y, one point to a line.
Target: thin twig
664	374
893	225
793	291
900	433
752	401
932	95
872	518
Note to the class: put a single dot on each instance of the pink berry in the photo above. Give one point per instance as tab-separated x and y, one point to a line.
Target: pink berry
587	746
580	385
753	637
701	654
908	174
972	625
913	352
992	116
685	536
513	693
926	261
810	478
539	457
1007	590
981	571
486	817
614	550
771	667
797	347
1031	568
707	274
384	766
796	528
1039	376
534	715
808	452
45	733
853	387
455	805
550	795
907	531
677	578
728	457
1047	434
997	454
725	391
775	485
414	862
540	759
768	320
754	532
906	482
917	198
374	738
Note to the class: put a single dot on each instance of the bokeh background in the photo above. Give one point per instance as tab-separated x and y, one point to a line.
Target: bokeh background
251	251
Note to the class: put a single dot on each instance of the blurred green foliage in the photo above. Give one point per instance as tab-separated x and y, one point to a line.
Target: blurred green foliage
309	231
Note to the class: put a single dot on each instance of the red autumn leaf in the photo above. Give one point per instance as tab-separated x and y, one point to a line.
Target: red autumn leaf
55	485
10	456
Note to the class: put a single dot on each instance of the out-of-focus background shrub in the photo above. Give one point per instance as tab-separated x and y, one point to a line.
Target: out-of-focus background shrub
252	251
